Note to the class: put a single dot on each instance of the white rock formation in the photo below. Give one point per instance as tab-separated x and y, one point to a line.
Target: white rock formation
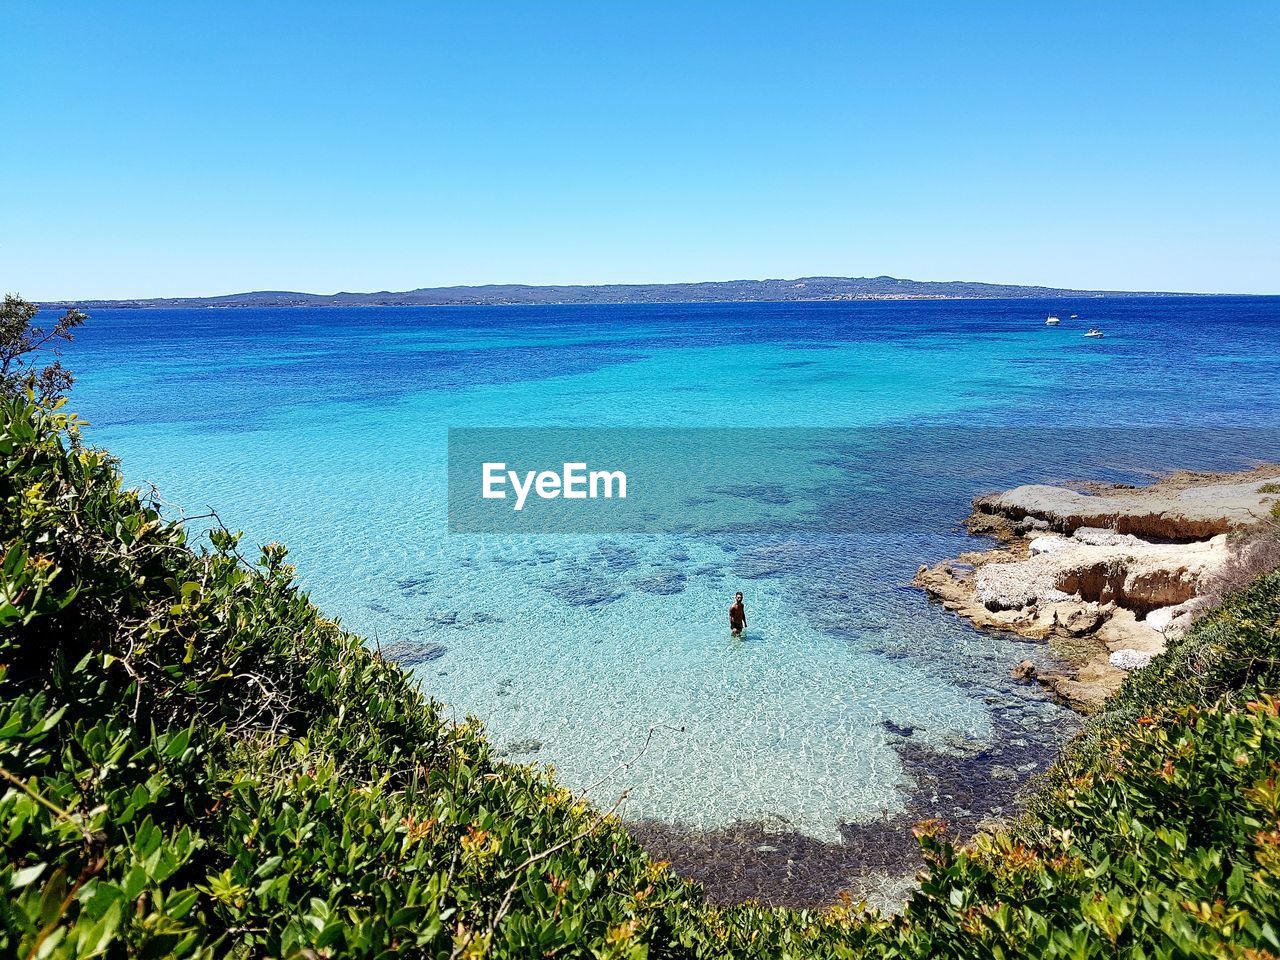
1130	659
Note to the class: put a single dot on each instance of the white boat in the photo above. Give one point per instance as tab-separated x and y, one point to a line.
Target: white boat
1074	315
1093	332
1052	321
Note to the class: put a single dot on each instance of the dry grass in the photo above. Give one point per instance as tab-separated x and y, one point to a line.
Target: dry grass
1255	551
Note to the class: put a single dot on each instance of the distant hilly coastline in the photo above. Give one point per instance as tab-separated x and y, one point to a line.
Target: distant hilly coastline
727	291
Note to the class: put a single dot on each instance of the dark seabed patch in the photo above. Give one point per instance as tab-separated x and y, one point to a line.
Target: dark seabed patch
520	747
613	557
584	593
969	785
762	561
455	619
410	654
662	582
418	585
770	494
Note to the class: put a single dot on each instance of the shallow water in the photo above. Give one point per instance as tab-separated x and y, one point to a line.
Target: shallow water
325	429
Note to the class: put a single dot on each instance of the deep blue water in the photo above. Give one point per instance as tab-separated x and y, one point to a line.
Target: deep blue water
325	429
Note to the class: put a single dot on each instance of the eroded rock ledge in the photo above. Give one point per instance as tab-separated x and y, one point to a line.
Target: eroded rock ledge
1103	573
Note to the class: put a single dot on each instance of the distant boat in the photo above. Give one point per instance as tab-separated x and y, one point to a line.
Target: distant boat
1074	315
1052	321
1093	332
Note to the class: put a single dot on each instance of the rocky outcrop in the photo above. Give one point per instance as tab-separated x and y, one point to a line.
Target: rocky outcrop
1127	571
1104	574
1181	507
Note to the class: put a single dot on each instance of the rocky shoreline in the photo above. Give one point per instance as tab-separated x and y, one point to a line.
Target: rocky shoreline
1104	574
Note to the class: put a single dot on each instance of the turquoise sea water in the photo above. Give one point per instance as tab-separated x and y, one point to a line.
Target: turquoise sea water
325	429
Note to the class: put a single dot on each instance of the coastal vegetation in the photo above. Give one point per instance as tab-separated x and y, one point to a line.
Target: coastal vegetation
24	346
1275	507
196	762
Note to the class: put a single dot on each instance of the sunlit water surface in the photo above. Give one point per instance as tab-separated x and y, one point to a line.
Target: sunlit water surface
325	429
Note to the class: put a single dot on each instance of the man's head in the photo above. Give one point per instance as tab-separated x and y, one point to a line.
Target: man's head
737	598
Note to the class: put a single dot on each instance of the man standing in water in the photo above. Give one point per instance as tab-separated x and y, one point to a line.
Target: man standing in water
737	616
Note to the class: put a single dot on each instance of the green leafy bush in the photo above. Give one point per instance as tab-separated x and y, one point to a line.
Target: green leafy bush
1166	844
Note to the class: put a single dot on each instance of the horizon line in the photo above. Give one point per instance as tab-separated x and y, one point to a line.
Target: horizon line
669	285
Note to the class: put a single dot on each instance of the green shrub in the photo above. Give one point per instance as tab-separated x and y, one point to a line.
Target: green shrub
1166	844
1272	488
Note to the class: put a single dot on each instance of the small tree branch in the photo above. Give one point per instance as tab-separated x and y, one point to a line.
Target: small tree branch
47	804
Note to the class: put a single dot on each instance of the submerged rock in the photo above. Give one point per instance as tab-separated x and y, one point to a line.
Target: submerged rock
663	583
1024	670
899	730
519	747
409	654
584	592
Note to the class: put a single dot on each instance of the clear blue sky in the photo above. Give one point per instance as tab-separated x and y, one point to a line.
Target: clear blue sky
179	148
